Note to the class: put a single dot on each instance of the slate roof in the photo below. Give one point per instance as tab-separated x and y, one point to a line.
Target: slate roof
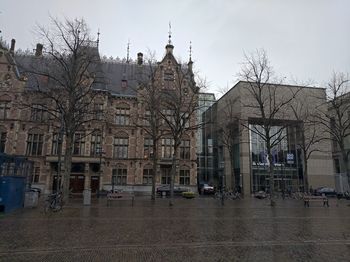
109	75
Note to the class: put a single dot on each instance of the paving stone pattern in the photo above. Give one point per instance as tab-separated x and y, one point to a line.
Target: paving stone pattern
192	230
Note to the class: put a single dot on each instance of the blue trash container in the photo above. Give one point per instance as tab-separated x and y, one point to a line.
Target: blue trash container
12	190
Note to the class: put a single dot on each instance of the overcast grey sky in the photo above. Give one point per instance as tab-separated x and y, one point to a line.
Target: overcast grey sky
304	39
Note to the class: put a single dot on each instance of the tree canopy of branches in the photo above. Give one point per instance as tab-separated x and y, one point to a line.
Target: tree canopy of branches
268	103
308	132
151	121
63	75
336	119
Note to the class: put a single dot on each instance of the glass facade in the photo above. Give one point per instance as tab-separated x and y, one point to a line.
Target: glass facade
286	158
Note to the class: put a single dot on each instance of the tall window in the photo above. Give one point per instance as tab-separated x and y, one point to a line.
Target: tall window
167	147
184	177
55	143
4	109
148	148
98	111
165	175
2	141
147	176
185	149
79	144
34	144
96	146
36	174
119	176
122	116
38	113
121	145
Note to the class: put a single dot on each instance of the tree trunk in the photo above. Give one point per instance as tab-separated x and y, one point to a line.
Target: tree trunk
155	164
305	174
172	177
67	167
271	175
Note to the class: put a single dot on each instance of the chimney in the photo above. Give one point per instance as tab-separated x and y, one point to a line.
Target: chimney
139	58
39	50
12	49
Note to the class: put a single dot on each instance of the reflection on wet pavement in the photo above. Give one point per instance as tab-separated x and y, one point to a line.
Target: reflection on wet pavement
193	230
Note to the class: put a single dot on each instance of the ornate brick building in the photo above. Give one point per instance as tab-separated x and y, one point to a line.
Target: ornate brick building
117	154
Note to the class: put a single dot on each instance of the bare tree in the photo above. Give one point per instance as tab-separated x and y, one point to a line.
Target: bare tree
336	119
150	121
228	129
268	103
63	76
309	134
178	110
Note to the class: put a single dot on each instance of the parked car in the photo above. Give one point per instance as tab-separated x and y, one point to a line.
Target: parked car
327	191
261	195
166	189
206	189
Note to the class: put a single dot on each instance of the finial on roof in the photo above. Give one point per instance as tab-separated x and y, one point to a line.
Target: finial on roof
98	37
190	51
128	51
169	41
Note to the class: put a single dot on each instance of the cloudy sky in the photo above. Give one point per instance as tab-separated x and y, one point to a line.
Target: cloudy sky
305	40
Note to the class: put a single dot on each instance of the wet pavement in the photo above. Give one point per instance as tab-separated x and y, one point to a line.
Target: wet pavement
192	230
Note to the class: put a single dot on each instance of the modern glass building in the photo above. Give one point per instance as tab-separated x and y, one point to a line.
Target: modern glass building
286	158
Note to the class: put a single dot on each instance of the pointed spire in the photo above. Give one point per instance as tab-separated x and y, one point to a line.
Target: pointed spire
128	51
169	47
169	32
98	37
190	51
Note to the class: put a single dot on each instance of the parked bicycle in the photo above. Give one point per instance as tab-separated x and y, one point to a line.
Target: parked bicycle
227	195
54	202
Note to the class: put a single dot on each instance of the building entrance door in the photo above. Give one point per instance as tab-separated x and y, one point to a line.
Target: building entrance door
76	184
95	183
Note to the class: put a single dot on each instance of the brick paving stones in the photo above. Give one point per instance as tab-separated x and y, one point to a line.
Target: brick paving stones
193	230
